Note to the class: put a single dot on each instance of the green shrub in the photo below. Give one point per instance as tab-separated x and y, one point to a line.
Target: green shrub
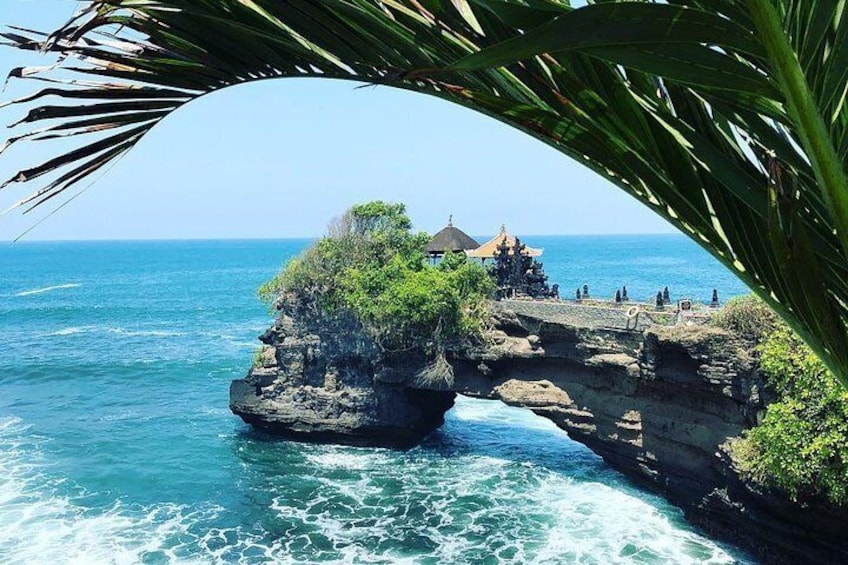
801	446
372	265
259	356
747	316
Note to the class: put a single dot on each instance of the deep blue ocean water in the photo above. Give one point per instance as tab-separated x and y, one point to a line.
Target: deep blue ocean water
117	446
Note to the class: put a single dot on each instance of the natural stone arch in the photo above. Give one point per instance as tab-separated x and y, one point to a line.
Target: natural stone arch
660	404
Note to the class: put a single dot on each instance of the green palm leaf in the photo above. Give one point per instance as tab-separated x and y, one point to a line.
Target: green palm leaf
726	117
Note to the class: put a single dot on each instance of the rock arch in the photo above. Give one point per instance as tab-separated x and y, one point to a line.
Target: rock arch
660	404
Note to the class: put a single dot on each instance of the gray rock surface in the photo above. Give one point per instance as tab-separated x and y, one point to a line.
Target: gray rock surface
661	404
322	379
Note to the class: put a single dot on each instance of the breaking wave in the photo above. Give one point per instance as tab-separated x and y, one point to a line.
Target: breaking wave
76	330
43	519
473	510
347	505
46	289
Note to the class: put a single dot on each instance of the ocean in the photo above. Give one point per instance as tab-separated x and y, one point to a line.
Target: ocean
117	445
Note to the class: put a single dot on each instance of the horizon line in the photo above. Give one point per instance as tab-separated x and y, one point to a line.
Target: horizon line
299	237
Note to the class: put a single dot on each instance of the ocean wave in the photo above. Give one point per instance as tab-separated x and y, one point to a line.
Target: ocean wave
46	289
42	522
345	458
240	341
348	505
244	344
144	333
471	508
76	330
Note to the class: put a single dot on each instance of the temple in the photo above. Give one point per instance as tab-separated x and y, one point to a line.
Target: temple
514	267
449	240
491	248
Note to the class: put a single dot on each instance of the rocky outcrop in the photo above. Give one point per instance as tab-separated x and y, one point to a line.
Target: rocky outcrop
661	404
658	404
321	379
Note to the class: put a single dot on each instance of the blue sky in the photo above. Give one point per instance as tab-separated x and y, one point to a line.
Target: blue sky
279	158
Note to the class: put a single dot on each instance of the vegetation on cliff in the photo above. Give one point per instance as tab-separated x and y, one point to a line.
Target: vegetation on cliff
371	264
801	446
748	317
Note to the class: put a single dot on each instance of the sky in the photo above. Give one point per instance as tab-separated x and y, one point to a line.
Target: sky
279	158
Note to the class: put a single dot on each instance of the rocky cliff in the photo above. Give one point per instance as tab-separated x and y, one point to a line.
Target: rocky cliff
660	404
321	379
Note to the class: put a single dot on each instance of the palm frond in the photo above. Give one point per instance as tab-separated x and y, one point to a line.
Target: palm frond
726	117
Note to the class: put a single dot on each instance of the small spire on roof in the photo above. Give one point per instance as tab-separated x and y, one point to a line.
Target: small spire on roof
503	229
450	221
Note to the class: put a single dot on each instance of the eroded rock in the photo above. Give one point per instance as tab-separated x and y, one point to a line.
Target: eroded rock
326	381
661	404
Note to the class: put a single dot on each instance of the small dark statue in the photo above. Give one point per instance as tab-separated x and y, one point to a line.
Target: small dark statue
578	295
660	301
518	274
714	303
618	297
624	297
666	296
585	291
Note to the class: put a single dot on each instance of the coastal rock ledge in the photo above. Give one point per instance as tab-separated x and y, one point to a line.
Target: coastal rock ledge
320	379
660	404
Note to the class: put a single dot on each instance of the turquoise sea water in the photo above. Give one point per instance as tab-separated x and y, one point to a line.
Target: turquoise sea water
116	444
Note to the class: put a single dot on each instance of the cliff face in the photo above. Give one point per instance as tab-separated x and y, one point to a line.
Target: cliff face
659	405
662	405
321	379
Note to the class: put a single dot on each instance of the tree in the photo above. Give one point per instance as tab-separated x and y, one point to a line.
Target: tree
726	117
372	266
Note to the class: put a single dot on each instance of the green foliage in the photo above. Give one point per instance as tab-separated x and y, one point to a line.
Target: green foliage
378	217
747	316
372	265
259	356
801	447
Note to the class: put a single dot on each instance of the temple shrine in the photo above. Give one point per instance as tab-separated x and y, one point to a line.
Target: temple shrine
449	240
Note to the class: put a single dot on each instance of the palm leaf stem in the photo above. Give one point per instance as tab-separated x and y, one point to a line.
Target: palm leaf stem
812	132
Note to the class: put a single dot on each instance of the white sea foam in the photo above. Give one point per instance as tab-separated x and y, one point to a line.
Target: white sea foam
244	344
362	506
46	289
44	520
597	523
76	330
468	507
482	507
144	333
70	331
41	523
343	459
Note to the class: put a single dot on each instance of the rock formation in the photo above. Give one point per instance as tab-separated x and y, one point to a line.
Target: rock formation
321	379
662	405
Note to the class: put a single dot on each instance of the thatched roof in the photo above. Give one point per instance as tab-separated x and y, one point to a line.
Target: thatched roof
487	250
450	239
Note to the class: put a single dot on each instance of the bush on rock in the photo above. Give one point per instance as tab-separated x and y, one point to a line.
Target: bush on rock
372	265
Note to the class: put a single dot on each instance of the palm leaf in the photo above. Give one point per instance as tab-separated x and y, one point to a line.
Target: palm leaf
726	117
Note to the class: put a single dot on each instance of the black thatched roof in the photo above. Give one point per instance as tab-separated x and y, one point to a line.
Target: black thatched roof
450	239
